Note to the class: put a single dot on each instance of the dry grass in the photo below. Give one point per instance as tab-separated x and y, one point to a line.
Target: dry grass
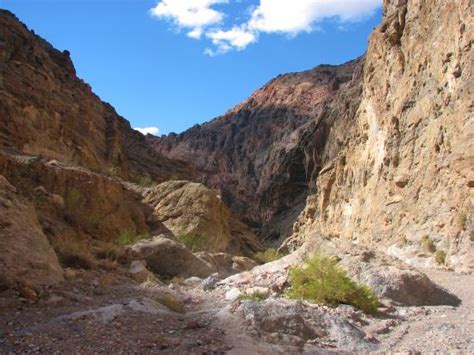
427	244
73	252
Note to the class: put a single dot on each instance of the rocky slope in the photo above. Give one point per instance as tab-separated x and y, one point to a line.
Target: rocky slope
404	180
77	173
264	154
46	110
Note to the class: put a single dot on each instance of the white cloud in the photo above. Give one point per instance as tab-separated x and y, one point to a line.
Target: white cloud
194	15
269	16
235	38
301	15
148	130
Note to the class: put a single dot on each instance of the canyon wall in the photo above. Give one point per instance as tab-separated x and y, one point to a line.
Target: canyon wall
47	110
265	153
404	180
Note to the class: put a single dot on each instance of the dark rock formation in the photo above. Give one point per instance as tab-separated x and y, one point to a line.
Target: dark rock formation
265	153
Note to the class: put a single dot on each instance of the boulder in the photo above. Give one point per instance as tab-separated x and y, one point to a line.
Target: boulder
198	217
168	258
26	257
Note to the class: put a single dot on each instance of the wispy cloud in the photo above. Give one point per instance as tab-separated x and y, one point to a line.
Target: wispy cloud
269	16
193	15
148	130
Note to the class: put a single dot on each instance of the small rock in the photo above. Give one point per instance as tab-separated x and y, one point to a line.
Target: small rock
232	294
258	290
210	282
138	270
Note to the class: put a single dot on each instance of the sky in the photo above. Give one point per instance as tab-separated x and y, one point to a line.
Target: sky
166	65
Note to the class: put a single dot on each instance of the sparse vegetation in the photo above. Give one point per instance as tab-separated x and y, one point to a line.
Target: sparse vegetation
143	180
193	242
323	281
177	280
128	237
74	199
267	256
403	240
73	253
440	257
428	245
256	297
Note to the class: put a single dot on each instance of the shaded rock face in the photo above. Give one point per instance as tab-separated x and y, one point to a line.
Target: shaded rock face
264	154
405	176
193	211
46	110
26	257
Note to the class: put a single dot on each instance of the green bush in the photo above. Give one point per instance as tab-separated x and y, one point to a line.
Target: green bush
323	281
128	237
193	242
267	256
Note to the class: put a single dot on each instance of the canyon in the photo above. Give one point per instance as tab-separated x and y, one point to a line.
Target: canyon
370	162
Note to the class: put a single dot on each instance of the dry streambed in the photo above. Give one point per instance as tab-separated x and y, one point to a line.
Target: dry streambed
103	312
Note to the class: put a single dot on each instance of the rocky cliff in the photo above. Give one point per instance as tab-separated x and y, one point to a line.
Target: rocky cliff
47	110
377	151
264	154
403	181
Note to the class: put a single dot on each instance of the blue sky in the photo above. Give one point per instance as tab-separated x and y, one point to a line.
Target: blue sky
174	63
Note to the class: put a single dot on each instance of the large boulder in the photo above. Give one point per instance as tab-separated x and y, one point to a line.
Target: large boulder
194	212
26	257
168	258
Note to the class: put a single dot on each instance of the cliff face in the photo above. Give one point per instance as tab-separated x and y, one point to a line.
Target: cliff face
264	154
404	180
46	110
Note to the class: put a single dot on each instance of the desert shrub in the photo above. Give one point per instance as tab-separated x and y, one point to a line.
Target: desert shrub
256	297
143	180
267	256
73	253
323	281
193	242
440	257
471	235
128	237
107	251
427	244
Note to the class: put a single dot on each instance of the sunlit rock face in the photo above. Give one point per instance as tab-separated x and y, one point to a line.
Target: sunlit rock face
403	181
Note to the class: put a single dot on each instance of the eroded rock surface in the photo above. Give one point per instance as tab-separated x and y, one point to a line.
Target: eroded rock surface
47	110
192	211
26	257
262	154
